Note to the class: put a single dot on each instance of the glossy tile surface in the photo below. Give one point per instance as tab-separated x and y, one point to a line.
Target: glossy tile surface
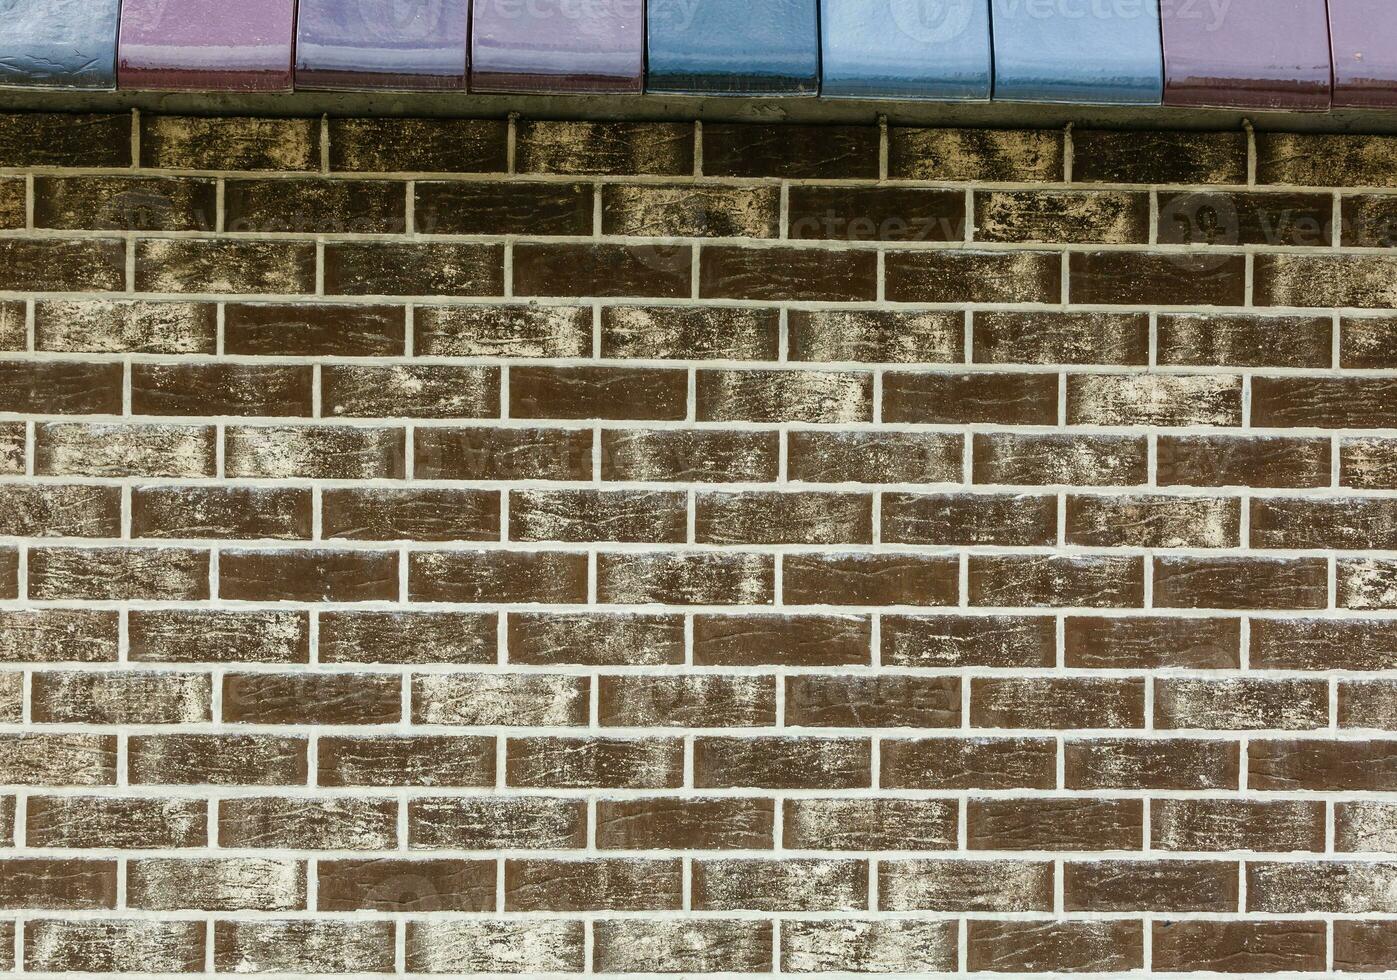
1252	54
558	46
58	43
733	47
1077	51
905	49
206	45
381	44
1363	40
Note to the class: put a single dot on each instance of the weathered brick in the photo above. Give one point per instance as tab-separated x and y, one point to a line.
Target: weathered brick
413	269
1309	280
154	574
115	822
1243	340
781	763
786	273
407	760
1061	338
229	143
321	206
968	641
1046	580
411	391
327	452
1154	521
794	640
969	763
125	203
576	763
311	329
1068	703
558	147
221	389
493	822
219	760
889	214
682	946
1225	461
593	639
126	698
969	519
38	139
1137	157
1324	159
220	512
408	637
113	946
500	699
194	265
502	331
1154	763
1241	583
975	154
307	824
875	580
299	945
1237	825
1054	824
204	636
419	515
683	455
703	579
695	701
698	823
406	885
892	336
609	269
1238	946
387	144
321	575
216	884
805	152
1072	217
798	885
970	886
122	326
698	333
1039	460
597	392
940	276
64	265
612	884
710	212
964	399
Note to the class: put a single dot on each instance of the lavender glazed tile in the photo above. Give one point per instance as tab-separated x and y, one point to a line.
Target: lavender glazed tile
402	45
558	46
1363	38
206	45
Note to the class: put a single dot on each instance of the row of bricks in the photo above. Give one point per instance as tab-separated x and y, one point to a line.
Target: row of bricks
702	824
914	946
576	148
506	576
695	455
384	884
839	212
947	641
772	273
694	701
718	762
702	333
753	517
1075	824
70	387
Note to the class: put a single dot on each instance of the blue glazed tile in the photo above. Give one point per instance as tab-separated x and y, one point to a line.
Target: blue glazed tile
1100	52
905	49
558	46
381	44
59	43
733	47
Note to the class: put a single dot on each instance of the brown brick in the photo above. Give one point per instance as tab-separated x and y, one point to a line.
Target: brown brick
1054	824
693	211
777	517
329	452
891	336
310	330
975	154
401	885
220	512
500	699
608	269
613	884
113	946
1139	278
57	883
216	885
703	578
1324	159
597	515
1153	521
869	946
1151	642
968	641
9	573
320	206
320	575
153	574
1150	886
126	698
49	635
786	273
1313	886
60	388
496	822
1055	946
490	946
190	265
792	640
696	824
870	824
115	822
221	389
414	269
217	760
964	886
1367	221
28	759
1046	580
1245	218
969	763
1076	460
419	515
686	455
479	208
503	331
1364	946
1241	583
481	453
407	760
613	763
311	699
782	763
888	214
791	885
877	457
1363	523
1312	280
796	152
411	391
294	822
1238	946
12	202
1292	764
1224	461
1137	157
882	701
1367	342
597	392
46	139
1324	402
682	946
696	333
595	639
1368	704
408	637
125	203
1237	825
549	147
13	452
943	276
1323	644
969	519
1243	340
999	399
784	396
218	636
1153	399
874	580
303	945
690	701
418	145
57	510
229	143
1155	763
64	265
121	326
1061	338
1366	583
1071	217
1065	702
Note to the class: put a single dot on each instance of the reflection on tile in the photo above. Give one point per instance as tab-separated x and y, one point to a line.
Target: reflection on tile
206	45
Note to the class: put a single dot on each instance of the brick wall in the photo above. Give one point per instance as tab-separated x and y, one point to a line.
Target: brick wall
918	550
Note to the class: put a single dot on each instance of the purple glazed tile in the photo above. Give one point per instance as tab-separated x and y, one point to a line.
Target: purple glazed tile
417	45
557	46
1364	38
206	45
1246	54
